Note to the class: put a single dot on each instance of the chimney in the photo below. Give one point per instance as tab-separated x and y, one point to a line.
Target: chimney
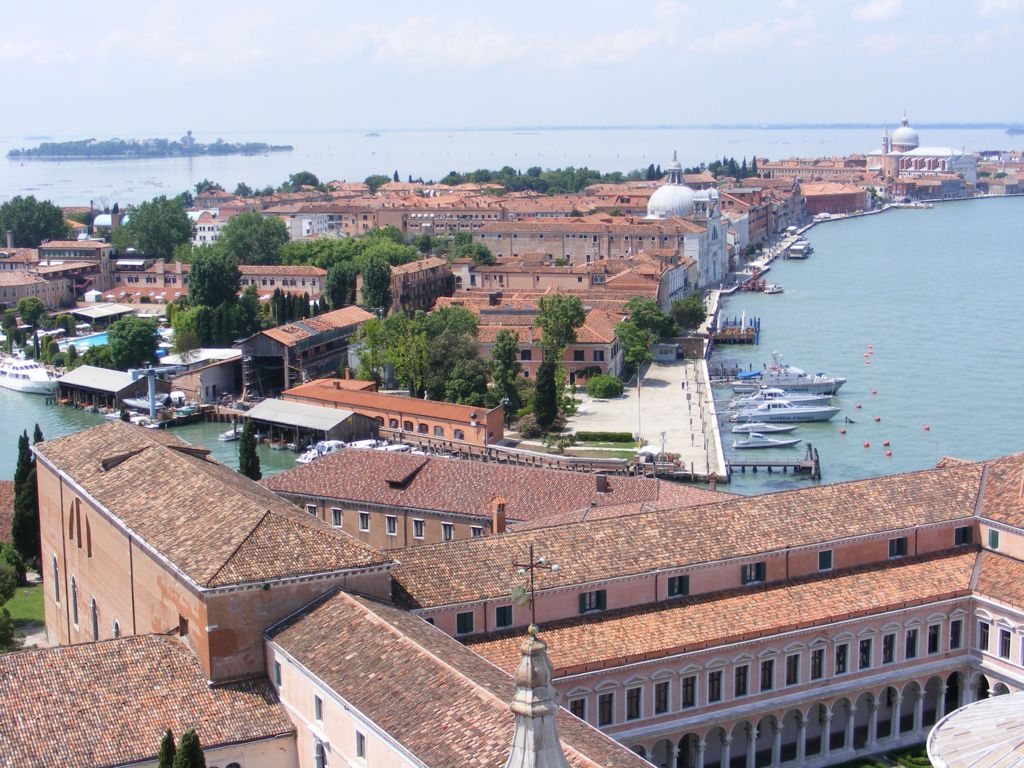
337	384
535	741
602	482
498	515
10	238
492	299
713	481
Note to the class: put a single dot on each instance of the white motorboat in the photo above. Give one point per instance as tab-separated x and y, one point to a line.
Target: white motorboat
787	377
758	440
772	288
321	449
774	394
230	436
787	413
765	429
26	376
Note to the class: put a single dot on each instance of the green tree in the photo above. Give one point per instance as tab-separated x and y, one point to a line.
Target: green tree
252	239
690	312
559	316
340	285
241	190
206	186
376	181
545	399
444	352
25	461
646	314
635	343
133	342
8	582
25	526
604	386
213	276
189	753
9	554
71	360
99	356
373	348
193	329
376	290
31	310
248	459
455	320
37	434
467	383
165	757
408	352
298	180
32	221
507	370
249	311
9	637
156	228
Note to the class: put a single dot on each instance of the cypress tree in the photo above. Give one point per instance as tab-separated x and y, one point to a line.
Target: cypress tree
165	758
24	461
37	435
248	459
25	525
545	398
190	753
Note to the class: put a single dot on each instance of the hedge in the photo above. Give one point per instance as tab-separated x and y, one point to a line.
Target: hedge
604	386
605	437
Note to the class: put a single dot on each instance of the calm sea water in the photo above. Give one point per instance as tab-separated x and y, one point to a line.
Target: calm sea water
352	156
935	293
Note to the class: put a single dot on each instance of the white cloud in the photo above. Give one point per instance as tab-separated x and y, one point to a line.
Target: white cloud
885	45
999	7
755	35
877	10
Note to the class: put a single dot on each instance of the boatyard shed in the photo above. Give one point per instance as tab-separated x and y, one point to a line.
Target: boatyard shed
88	385
281	357
305	424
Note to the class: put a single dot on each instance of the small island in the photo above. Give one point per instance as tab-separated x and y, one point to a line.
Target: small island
186	146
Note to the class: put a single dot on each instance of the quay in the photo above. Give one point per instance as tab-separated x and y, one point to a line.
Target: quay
809	465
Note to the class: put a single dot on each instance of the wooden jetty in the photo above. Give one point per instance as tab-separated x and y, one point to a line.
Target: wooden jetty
810	464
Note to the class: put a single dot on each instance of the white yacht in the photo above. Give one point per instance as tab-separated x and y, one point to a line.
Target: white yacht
787	413
323	448
774	394
26	376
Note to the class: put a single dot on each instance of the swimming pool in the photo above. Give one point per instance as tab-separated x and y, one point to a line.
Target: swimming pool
83	343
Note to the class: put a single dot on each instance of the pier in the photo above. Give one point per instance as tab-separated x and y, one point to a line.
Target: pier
810	464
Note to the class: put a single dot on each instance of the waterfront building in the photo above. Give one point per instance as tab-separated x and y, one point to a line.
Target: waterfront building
89	385
832	197
902	156
418	284
19	284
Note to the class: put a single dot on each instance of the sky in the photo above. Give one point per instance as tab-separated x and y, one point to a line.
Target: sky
151	68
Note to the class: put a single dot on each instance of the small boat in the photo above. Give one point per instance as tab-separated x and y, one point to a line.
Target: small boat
764	429
323	448
774	394
142	403
787	377
787	413
26	376
772	288
230	436
801	249
758	440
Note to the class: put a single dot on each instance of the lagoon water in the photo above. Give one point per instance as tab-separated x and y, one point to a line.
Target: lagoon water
936	294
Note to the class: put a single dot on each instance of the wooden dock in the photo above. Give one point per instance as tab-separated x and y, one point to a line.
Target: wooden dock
810	464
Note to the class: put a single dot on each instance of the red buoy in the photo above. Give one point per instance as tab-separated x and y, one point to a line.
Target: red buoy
867	444
842	430
878	418
885	442
888	453
874	391
867	362
926	428
858	406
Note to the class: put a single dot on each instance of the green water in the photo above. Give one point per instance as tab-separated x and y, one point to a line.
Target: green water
19	411
936	294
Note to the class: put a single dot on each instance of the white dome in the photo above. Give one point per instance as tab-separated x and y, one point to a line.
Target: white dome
905	136
670	200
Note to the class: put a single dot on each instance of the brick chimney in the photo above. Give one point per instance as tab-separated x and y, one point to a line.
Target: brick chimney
497	515
602	482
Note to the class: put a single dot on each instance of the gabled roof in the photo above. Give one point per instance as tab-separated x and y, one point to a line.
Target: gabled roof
1002	499
332	391
216	526
444	704
108	703
292	333
99	379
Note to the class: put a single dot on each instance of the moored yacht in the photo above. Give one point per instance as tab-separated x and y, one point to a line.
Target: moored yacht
26	376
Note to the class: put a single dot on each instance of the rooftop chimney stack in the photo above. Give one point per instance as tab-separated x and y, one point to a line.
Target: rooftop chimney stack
602	482
498	519
10	238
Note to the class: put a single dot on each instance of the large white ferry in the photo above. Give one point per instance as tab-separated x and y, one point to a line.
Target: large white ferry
26	376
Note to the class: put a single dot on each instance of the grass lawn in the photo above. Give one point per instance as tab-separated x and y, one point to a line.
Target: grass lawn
605	454
26	606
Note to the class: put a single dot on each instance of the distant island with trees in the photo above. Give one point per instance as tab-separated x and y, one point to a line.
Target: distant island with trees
186	146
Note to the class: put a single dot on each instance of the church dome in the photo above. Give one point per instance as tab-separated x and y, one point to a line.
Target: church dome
905	137
670	200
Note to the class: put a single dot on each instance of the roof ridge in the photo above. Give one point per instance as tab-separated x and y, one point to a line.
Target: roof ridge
227	560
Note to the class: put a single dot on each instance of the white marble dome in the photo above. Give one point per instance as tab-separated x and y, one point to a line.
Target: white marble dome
905	137
670	200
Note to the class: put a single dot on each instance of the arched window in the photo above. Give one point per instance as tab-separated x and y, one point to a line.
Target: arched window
117	629
71	521
74	601
56	580
88	538
95	619
319	756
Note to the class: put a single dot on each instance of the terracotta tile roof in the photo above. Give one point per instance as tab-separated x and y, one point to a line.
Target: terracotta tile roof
75	244
596	550
280	269
1000	578
814	189
6	509
19	255
619	637
218	527
598	327
417	683
64	266
300	330
1002	498
324	391
420	265
19	277
108	703
468	488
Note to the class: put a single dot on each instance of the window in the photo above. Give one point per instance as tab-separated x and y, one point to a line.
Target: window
963	535
417	529
318	707
825	560
933	638
661	698
277	673
360	745
578	707
88	538
391	525
864	654
598	355
464	623
320	756
752	573
336	517
423	428
117	630
56	579
74	601
817	663
633	696
993	539
503	616
678	586
689	691
311	509
364	521
740	677
605	707
714	686
842	651
956	631
447	531
982	631
793	669
898	547
1004	644
438	431
182	626
889	648
910	645
476	531
593	601
526	355
95	615
577	356
407	426
768	674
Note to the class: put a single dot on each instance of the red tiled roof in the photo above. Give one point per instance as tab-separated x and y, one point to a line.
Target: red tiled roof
282	270
76	244
1002	498
300	330
325	391
420	265
1000	578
